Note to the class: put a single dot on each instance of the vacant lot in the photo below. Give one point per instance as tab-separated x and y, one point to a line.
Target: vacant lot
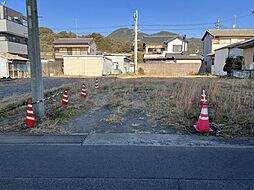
153	105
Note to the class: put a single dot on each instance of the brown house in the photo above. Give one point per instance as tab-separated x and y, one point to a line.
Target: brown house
73	46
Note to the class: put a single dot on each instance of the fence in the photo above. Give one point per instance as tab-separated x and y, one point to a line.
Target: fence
51	68
170	68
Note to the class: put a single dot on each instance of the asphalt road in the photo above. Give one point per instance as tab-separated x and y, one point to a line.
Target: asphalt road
18	87
125	167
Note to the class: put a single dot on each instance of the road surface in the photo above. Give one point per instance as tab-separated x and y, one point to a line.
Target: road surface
75	165
18	87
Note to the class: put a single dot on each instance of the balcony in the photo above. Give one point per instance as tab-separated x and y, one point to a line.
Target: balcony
12	47
59	55
13	28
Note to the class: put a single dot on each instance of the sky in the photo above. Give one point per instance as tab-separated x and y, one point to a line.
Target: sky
190	17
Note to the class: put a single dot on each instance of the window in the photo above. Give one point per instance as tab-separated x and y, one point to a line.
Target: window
69	51
225	41
177	48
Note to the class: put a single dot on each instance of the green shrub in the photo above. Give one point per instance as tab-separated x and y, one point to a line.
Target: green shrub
141	71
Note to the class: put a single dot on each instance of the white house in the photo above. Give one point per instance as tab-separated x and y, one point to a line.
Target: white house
158	45
122	64
13	66
215	39
221	55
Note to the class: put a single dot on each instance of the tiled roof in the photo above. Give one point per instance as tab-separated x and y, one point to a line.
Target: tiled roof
230	33
73	41
183	57
158	39
9	56
179	56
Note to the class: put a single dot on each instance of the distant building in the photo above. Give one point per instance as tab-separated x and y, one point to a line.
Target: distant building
13	43
160	45
87	65
73	46
13	66
122	63
172	64
13	33
215	39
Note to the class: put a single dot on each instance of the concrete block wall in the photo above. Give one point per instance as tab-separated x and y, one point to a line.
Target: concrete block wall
170	68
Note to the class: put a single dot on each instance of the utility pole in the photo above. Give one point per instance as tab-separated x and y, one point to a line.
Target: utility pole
35	57
136	41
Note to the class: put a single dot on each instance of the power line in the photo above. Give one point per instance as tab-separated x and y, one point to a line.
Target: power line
93	27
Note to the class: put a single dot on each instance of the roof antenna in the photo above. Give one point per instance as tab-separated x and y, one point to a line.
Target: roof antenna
218	24
4	3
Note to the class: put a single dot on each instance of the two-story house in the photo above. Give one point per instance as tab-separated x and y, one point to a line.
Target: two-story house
73	46
216	39
159	45
13	43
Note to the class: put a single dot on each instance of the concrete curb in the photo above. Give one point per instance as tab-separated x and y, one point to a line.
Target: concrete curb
166	140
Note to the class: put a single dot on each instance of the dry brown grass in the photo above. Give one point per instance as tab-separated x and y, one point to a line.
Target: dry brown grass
168	101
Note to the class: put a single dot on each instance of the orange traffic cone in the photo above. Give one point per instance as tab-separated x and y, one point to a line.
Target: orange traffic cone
65	100
203	125
83	91
97	84
30	118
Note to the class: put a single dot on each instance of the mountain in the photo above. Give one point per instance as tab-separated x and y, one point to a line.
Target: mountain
127	35
194	45
164	33
104	44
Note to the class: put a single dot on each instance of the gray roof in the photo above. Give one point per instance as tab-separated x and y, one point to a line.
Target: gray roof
73	41
247	44
171	56
159	39
230	33
183	56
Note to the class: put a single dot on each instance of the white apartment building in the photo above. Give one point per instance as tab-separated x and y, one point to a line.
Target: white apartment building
13	43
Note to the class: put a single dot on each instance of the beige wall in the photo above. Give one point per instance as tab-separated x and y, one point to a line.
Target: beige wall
248	58
89	66
170	69
226	41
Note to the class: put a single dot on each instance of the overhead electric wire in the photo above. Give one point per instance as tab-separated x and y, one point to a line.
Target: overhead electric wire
92	27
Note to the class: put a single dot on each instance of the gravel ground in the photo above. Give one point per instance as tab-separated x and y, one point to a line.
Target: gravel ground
17	87
135	122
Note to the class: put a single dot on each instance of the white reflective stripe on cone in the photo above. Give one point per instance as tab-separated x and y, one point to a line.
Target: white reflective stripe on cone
65	100
30	106
30	118
83	93
204	118
66	96
31	112
204	111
